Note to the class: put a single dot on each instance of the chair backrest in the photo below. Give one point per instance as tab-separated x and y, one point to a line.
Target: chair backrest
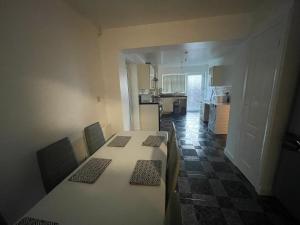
172	135
94	137
2	220
173	213
172	130
172	168
56	162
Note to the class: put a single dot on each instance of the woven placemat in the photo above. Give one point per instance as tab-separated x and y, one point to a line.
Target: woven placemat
33	221
146	172
90	172
119	141
153	141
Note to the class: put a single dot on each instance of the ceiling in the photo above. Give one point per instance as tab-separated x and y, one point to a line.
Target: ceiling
197	53
122	13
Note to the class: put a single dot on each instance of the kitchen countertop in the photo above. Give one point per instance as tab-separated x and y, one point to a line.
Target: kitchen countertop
215	103
172	96
149	103
157	99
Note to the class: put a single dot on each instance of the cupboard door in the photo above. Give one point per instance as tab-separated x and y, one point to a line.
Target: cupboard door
144	76
218	76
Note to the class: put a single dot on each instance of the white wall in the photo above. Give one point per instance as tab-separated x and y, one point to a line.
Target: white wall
125	92
50	80
134	95
112	41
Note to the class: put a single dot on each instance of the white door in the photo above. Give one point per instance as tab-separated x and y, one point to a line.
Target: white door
263	62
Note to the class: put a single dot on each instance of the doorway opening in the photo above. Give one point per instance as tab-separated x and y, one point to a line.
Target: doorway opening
182	79
194	92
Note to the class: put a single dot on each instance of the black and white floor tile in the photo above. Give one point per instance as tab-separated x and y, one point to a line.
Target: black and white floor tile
212	190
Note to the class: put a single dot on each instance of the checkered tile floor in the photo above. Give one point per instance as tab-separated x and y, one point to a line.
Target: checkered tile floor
212	190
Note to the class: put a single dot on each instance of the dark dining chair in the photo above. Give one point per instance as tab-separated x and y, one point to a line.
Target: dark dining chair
56	162
94	137
2	220
173	164
172	136
173	213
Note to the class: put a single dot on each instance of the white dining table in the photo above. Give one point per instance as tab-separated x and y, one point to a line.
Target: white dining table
111	200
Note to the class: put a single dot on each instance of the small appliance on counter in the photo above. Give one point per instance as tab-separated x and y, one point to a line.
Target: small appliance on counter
145	98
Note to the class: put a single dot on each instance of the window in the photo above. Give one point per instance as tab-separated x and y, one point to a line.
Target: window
173	83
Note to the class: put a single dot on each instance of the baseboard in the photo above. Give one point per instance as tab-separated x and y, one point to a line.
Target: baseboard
228	154
264	190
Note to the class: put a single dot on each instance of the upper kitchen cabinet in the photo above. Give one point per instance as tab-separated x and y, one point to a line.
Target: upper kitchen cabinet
145	74
218	77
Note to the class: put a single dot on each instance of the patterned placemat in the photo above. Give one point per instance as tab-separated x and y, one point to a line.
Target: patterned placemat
119	141
33	221
146	172
90	172
153	141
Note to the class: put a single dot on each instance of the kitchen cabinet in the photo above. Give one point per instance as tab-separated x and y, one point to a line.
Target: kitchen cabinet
218	118
145	75
167	103
218	77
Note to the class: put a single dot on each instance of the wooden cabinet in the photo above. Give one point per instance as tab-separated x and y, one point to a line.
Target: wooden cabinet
219	118
167	103
145	74
218	77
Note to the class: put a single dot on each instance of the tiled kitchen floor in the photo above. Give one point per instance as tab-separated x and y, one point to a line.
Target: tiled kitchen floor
212	190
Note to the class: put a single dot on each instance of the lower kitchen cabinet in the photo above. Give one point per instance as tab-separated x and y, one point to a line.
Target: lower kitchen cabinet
219	118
